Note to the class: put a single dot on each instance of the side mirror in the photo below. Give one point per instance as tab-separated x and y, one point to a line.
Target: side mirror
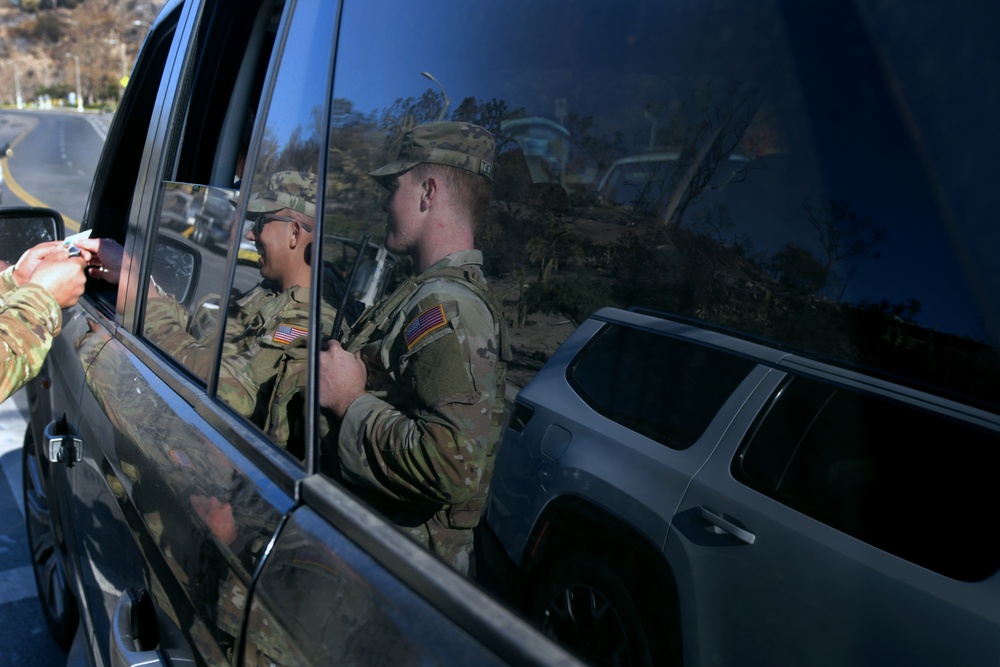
176	267
5	150
23	227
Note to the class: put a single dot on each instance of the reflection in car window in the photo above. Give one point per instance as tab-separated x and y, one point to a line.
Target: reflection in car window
274	259
766	207
666	389
875	470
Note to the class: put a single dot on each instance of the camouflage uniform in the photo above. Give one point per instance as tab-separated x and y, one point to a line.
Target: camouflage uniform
421	442
264	332
30	318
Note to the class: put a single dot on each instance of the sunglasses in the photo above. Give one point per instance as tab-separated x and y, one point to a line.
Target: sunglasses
258	225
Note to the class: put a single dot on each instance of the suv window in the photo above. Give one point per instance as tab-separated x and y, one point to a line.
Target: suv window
684	157
666	389
242	198
898	477
197	202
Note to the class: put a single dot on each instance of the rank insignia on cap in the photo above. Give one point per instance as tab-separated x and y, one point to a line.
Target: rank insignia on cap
286	333
430	320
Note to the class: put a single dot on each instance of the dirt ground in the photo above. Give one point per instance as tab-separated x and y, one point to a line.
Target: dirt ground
534	343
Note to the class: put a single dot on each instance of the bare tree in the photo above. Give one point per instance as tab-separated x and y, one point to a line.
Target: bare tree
843	233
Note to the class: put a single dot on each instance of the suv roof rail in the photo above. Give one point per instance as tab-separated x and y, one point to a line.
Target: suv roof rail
910	382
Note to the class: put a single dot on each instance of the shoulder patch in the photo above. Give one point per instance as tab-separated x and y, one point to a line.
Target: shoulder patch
286	333
180	458
430	320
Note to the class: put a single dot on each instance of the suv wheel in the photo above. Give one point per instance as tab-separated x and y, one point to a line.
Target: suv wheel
58	602
584	604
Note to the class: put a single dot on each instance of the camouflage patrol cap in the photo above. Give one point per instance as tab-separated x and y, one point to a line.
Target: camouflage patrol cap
454	144
295	190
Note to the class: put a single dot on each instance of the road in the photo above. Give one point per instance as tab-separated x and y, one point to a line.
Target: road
55	155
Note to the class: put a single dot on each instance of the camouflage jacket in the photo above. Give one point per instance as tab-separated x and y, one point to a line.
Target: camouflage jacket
421	442
30	318
261	332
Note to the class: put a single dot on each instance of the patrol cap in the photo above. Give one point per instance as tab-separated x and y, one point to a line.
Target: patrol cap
295	190
451	143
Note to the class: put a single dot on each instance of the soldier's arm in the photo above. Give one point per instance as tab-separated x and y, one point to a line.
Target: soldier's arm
7	280
166	325
29	319
435	449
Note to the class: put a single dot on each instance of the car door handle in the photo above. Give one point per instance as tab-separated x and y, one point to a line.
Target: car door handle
62	446
721	525
134	632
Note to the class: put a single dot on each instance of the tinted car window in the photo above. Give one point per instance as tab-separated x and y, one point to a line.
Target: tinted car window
739	189
666	389
267	322
197	202
897	477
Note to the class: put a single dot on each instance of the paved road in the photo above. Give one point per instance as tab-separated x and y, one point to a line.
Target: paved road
24	639
55	154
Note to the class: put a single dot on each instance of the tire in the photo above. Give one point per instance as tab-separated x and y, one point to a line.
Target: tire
582	603
54	594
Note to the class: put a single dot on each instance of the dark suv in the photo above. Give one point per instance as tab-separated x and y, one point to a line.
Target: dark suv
665	488
165	526
830	188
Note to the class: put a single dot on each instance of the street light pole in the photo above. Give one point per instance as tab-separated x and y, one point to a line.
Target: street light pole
447	100
17	87
79	96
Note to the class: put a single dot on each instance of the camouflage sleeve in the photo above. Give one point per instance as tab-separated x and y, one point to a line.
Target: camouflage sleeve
7	280
166	325
29	318
244	374
430	443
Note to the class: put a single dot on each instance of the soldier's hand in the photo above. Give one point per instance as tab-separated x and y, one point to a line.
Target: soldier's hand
105	260
34	256
62	276
342	377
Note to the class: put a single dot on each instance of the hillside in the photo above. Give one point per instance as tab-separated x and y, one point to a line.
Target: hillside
39	49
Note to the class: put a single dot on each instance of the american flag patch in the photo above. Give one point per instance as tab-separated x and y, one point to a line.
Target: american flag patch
430	320
180	458
286	333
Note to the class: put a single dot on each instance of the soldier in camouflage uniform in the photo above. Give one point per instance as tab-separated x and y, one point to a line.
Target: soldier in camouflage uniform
265	326
32	294
421	405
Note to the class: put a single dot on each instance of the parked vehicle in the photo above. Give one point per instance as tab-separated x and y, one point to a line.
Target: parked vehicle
667	490
164	526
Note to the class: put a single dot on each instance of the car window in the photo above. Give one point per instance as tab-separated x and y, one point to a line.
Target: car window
667	389
687	158
268	320
196	209
884	472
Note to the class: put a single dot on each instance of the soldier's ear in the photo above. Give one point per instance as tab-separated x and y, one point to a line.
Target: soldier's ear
296	234
428	192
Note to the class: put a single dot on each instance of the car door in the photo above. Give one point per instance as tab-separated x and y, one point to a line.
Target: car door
834	534
174	500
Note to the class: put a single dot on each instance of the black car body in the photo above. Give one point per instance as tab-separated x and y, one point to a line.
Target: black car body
853	223
128	460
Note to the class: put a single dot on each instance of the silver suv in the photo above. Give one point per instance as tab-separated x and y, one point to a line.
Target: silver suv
666	489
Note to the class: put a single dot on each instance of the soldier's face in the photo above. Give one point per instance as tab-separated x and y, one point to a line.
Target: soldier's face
402	205
271	236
